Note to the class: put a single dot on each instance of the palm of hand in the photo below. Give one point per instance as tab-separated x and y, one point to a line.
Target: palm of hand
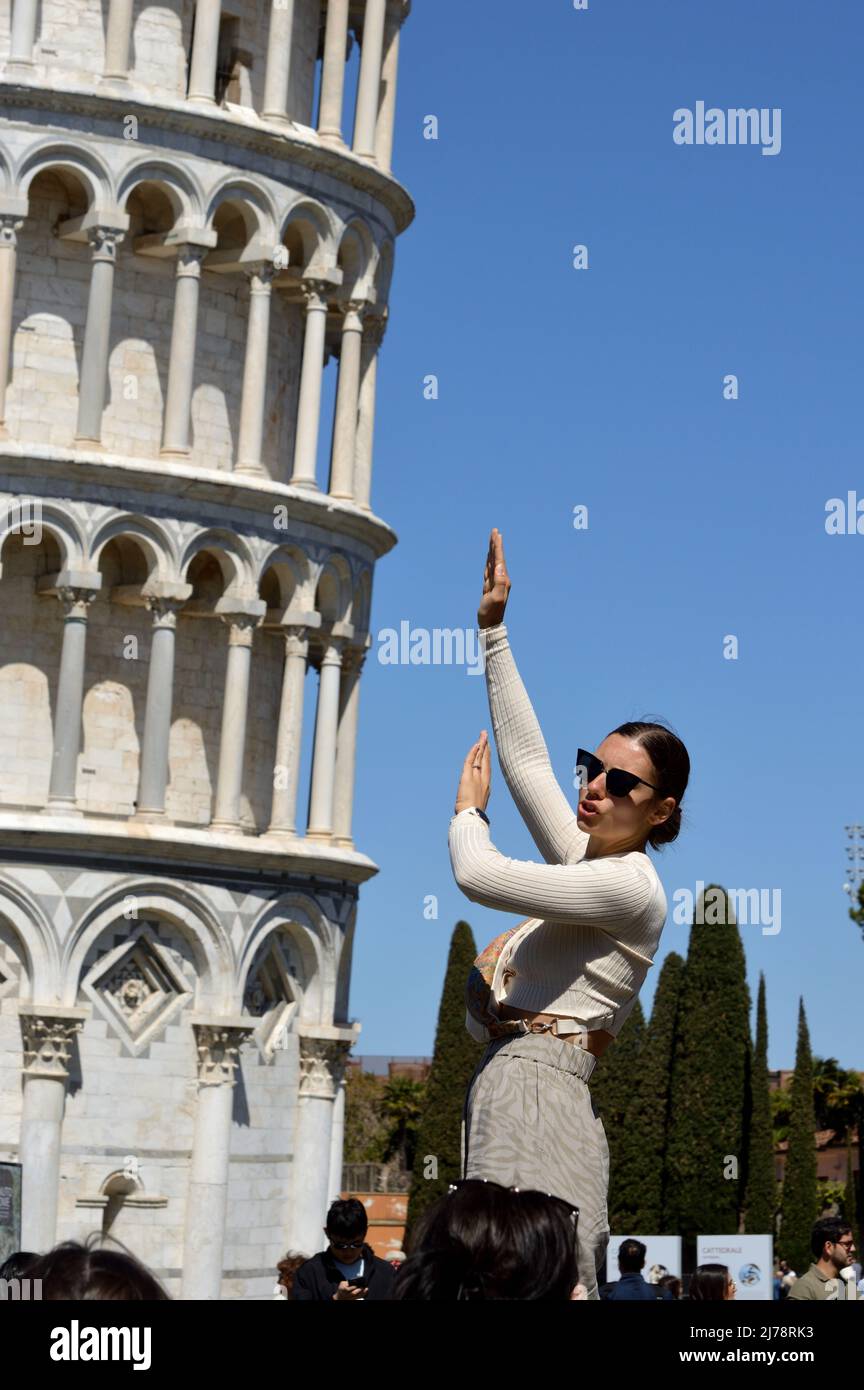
496	583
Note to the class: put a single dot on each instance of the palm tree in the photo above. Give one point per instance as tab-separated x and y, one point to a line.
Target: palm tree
837	1095
401	1106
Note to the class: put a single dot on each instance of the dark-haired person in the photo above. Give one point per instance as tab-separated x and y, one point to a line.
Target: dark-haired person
711	1284
77	1273
598	909
348	1271
632	1286
18	1265
833	1248
482	1242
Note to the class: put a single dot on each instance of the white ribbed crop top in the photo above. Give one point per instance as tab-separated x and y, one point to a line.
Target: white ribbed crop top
599	920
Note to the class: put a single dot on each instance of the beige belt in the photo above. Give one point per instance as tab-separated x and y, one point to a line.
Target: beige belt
557	1026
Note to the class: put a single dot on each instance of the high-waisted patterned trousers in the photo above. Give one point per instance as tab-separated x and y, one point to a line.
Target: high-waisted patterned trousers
529	1122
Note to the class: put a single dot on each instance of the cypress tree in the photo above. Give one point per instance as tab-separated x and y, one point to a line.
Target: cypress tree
615	1094
454	1059
760	1201
799	1202
850	1203
706	1159
655	1095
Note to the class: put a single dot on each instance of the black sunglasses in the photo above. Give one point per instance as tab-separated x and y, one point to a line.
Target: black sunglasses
618	782
345	1244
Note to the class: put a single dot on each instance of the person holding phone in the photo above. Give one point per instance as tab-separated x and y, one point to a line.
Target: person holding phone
348	1271
598	909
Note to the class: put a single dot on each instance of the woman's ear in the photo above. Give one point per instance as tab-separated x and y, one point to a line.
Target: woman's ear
659	814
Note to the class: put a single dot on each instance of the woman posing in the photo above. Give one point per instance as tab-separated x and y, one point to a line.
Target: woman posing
597	909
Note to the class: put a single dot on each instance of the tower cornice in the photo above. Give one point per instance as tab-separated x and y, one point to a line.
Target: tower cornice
224	131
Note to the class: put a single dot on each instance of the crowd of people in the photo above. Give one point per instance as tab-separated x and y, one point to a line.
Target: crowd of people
488	1242
482	1241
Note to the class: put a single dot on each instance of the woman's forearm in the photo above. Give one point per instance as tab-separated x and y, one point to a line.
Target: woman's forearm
524	757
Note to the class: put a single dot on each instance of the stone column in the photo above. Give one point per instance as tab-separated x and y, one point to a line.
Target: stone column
337	1142
153	774
48	1033
333	73
118	38
75	599
181	362
235	708
10	225
289	735
373	326
205	51
324	750
322	1067
218	1043
346	744
23	31
278	60
97	334
254	392
385	124
311	374
369	83
347	398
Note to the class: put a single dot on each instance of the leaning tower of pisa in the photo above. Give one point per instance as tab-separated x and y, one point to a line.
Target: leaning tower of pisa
197	223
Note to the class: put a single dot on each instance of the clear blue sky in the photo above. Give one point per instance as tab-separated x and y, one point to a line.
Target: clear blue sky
605	387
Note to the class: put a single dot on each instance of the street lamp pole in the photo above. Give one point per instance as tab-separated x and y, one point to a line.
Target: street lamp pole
855	866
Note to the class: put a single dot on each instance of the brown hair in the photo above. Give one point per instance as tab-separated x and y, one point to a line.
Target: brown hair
672	765
73	1272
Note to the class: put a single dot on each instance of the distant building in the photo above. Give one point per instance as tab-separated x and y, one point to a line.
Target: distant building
830	1151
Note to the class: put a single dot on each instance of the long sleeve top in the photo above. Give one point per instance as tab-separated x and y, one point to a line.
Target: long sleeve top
598	920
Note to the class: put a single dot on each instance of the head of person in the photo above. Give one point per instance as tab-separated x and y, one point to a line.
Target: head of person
712	1284
621	813
484	1242
287	1268
831	1242
347	1224
18	1265
631	1256
672	1283
76	1273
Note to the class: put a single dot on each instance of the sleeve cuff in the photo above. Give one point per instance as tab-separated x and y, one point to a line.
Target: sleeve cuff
468	811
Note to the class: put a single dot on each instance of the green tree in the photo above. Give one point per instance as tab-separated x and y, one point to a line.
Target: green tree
836	1095
365	1125
437	1158
401	1106
655	1093
706	1151
616	1092
799	1204
850	1199
760	1201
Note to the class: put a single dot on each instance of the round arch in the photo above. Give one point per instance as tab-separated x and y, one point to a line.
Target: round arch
302	918
188	911
74	159
38	939
154	541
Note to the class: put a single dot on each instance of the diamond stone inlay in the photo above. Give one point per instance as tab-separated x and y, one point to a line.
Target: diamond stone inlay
139	988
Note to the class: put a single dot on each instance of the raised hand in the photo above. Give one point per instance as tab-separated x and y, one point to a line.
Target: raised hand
496	583
476	777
